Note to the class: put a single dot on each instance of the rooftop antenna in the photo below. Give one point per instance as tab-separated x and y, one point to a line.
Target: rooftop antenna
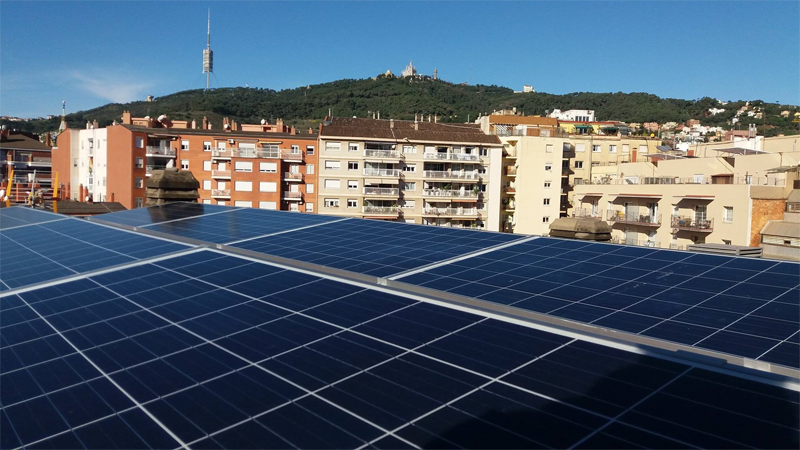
208	55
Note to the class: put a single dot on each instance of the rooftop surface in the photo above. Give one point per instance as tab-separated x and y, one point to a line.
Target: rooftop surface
401	129
130	331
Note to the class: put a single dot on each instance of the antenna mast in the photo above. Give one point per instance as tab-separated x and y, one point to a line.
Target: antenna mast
208	55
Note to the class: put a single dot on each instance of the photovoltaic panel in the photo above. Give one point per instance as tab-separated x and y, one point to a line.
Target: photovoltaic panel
21	216
156	214
48	250
738	306
208	350
376	247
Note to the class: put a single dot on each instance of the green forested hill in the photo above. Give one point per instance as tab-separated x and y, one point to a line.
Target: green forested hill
401	98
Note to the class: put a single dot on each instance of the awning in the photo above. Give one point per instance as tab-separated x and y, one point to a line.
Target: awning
783	169
782	228
656	196
694	197
581	126
381	181
387	216
738	151
163	136
665	156
462	200
593	194
664	148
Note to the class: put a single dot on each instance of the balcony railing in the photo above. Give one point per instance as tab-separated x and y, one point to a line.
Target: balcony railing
222	153
292	155
293	196
451	211
225	193
793	207
689	223
369	209
391	154
289	176
511	171
381	191
587	213
372	172
452	157
451	175
149	169
449	193
755	181
220	174
637	243
634	218
159	151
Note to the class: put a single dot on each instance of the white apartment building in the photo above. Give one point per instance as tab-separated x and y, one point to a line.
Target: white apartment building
574	115
88	156
417	172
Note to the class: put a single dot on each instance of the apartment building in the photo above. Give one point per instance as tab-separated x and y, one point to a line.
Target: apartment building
417	172
262	166
677	201
29	159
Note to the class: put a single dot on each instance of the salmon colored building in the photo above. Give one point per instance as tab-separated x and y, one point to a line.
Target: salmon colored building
265	165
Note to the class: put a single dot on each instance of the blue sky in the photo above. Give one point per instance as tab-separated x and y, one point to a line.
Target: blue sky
92	53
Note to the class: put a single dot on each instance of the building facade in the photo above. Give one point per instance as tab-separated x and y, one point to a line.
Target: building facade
30	161
417	172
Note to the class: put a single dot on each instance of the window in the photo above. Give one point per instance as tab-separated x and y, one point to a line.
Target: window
484	151
353	147
595	149
206	146
75	162
139	163
332	184
409	204
139	142
352	203
578	181
409	149
309	207
309	151
409	186
331	202
184	145
268	205
728	214
410	168
268	167
352	165
546	202
579	164
580	147
184	164
295	148
244	186
243	203
267	186
612	149
222	202
548	148
294	207
547	185
310	169
548	166
207	185
546	219
207	201
137	202
333	146
221	146
352	185
243	166
207	166
642	149
333	165
626	148
139	183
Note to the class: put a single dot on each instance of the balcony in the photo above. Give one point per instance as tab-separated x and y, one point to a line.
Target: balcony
636	243
148	170
381	210
634	218
372	172
689	223
163	152
293	177
292	155
451	175
221	174
221	193
587	213
449	193
511	171
381	192
458	212
221	153
382	154
293	196
458	157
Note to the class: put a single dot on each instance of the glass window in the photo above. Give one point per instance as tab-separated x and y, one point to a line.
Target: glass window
310	169
184	164
728	214
548	166
546	201
207	166
207	185
184	145
484	152
409	204
547	185
309	149
333	146
352	165
595	149
139	183
206	146
353	147
309	188
244	186
139	163
580	147
267	186
612	149
546	219
333	165
332	184
268	167
309	207
409	186
243	203
352	185
139	142
409	149
244	166
268	205
331	202
548	148
352	203
579	164
410	168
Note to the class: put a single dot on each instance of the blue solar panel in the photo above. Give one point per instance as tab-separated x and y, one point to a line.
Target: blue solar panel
156	214
19	216
376	247
208	350
742	307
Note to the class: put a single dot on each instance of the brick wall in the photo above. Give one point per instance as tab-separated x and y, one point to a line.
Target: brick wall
764	211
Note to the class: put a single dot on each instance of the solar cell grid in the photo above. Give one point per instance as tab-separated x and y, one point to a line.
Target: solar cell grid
375	247
163	213
352	367
746	308
19	216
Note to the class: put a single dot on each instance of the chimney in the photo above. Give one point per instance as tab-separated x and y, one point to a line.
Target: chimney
279	123
226	125
126	117
310	130
112	196
94	124
194	124
416	126
391	123
205	123
88	125
293	131
379	116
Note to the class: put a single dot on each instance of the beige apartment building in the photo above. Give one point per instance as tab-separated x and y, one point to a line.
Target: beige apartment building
417	172
672	202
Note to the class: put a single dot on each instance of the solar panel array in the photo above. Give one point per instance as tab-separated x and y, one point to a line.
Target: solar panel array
206	349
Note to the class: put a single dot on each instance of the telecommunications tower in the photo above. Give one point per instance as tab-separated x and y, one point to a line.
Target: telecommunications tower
208	55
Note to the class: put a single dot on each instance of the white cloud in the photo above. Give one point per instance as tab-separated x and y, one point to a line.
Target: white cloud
114	87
